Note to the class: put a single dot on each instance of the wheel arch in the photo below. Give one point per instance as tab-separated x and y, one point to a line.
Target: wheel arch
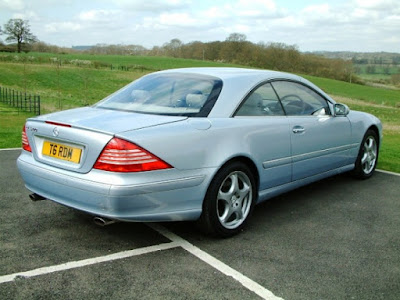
376	130
208	222
245	160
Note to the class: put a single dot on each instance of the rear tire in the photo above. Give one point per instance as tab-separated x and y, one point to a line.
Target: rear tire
368	156
229	201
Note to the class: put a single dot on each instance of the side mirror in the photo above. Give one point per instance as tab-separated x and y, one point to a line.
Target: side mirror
341	109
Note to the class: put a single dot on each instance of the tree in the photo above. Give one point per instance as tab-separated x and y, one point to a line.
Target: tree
18	31
233	47
173	48
236	37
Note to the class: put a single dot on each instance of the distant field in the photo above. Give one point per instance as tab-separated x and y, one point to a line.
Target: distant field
377	73
72	86
154	63
378	69
370	94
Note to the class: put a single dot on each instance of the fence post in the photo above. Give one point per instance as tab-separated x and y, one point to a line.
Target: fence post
20	100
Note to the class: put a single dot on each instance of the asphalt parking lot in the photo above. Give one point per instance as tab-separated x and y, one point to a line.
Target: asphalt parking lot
335	239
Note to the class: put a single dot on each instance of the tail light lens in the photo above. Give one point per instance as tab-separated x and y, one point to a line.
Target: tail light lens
25	141
123	156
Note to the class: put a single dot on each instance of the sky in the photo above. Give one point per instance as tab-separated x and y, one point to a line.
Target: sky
311	25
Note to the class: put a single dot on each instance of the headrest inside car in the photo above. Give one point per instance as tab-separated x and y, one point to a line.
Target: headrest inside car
195	100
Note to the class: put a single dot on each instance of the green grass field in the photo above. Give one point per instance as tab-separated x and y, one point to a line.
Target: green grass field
72	86
369	94
11	123
152	63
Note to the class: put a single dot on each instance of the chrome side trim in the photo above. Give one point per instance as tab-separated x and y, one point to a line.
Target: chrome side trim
323	152
277	190
277	162
288	160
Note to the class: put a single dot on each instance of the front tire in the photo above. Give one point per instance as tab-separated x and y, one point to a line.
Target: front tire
368	156
229	201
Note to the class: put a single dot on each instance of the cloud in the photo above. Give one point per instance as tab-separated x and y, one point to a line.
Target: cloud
177	19
28	15
321	9
60	27
153	6
98	15
383	5
12	4
255	8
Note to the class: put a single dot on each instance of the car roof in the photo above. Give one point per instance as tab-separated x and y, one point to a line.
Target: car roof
226	73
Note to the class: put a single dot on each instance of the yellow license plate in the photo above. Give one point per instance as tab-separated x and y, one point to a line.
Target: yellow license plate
61	151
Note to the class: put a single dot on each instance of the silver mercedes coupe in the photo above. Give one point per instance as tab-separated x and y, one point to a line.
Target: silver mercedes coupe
201	144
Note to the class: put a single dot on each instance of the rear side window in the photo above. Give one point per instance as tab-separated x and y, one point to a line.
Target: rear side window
263	101
167	94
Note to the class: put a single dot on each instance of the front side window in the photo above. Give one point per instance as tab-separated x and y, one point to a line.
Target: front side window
261	102
299	100
167	94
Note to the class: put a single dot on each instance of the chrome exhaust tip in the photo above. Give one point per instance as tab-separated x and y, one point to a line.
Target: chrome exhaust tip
35	197
102	222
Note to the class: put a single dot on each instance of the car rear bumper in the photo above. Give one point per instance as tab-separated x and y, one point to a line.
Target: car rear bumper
168	195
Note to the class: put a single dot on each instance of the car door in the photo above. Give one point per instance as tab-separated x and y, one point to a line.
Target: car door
320	142
267	135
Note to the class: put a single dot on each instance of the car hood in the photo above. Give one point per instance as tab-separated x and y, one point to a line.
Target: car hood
107	121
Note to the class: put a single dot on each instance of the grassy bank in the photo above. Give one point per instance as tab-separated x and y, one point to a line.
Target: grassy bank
11	123
369	94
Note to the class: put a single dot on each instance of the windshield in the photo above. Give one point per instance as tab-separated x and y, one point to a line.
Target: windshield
167	94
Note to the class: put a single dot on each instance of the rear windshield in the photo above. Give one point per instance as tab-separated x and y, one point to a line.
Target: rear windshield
174	94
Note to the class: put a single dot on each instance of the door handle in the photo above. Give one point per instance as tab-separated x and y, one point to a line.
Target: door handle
298	129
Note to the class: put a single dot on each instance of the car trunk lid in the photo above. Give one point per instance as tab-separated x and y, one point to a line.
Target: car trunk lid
108	121
74	139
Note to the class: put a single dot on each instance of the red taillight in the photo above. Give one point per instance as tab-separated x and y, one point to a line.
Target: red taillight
25	141
122	156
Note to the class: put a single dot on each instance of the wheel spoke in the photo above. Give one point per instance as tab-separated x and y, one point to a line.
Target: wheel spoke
364	158
368	145
235	183
227	213
244	191
239	213
226	192
224	196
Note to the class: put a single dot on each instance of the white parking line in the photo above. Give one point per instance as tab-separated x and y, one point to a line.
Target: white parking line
388	172
9	149
176	241
217	264
88	262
